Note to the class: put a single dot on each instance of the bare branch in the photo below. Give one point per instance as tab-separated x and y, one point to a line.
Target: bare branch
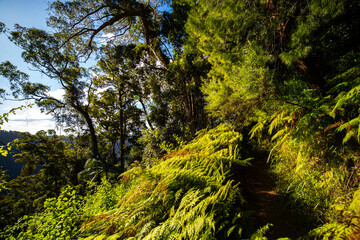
111	22
87	15
82	31
88	95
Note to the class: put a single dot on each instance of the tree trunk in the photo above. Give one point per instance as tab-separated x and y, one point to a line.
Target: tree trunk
113	152
89	122
122	133
146	114
151	41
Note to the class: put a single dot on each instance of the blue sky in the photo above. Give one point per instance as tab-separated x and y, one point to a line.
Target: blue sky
27	13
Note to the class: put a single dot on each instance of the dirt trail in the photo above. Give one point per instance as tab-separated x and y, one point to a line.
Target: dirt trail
266	204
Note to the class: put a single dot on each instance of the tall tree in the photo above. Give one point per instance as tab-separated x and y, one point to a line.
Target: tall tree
186	99
87	20
114	108
157	24
60	63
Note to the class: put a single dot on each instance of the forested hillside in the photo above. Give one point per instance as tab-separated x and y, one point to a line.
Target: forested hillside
8	164
200	120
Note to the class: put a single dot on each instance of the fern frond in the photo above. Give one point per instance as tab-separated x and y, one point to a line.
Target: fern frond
179	195
258	128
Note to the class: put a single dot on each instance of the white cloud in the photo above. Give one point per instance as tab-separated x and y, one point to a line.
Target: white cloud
30	119
58	94
108	35
104	38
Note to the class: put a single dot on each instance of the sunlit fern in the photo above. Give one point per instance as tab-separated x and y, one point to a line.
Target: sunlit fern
185	195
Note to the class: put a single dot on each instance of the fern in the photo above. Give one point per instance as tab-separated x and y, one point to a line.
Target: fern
184	195
259	234
258	128
348	95
348	227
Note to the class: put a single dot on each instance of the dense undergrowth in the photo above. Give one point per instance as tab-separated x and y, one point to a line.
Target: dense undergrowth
316	173
327	191
187	194
190	194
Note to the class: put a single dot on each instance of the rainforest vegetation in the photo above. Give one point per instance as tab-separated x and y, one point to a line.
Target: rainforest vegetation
187	106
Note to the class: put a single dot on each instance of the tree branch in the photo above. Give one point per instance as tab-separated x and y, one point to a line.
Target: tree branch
87	15
111	22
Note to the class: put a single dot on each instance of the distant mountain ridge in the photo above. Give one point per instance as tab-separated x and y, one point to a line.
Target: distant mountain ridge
12	168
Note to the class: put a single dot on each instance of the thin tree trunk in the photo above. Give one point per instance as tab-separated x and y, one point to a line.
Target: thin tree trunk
122	133
89	122
113	153
146	114
153	45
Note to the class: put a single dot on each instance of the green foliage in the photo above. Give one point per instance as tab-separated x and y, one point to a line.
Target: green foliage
349	225
238	87
2	180
280	68
15	76
50	163
173	25
60	219
82	22
259	234
150	151
312	184
50	152
186	194
4	152
310	170
310	20
285	72
115	107
103	199
346	101
186	100
230	35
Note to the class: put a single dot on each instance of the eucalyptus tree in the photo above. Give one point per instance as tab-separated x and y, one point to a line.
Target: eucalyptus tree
119	101
61	63
158	26
125	26
124	20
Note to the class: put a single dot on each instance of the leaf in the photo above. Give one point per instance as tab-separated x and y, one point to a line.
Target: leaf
339	207
3	152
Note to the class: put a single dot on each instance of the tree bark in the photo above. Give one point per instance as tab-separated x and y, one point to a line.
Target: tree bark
146	114
89	122
122	133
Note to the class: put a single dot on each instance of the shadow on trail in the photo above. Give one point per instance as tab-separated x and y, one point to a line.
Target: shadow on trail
265	205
